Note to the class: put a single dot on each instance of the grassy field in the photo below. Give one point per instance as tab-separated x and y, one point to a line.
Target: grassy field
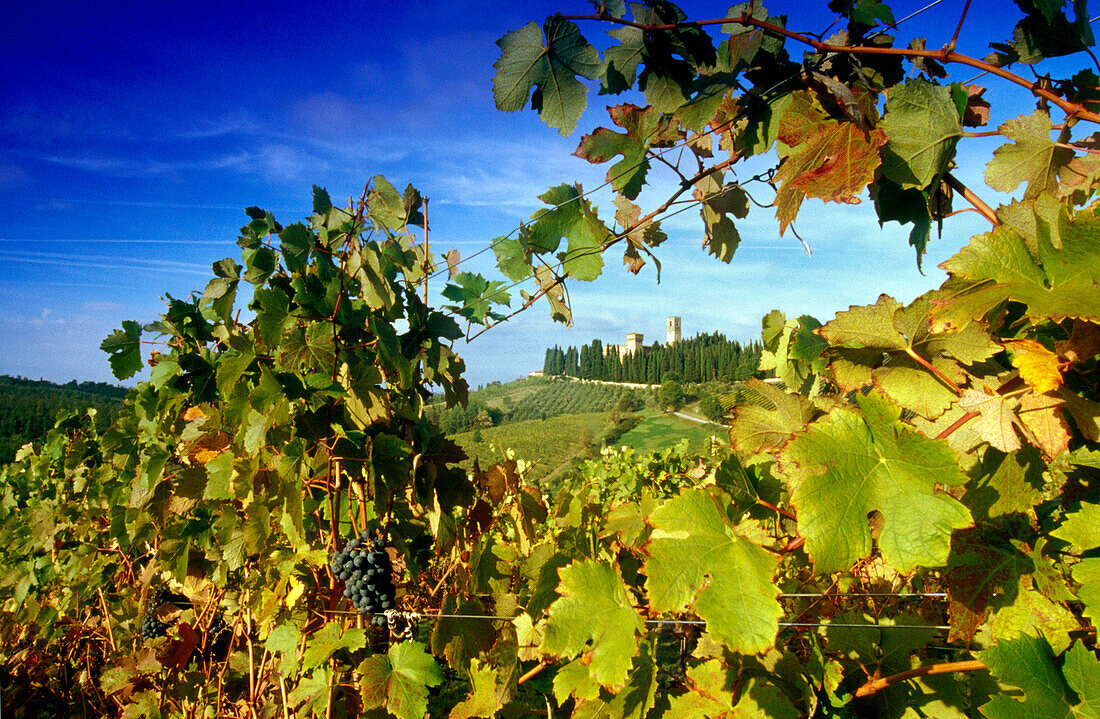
551	443
658	431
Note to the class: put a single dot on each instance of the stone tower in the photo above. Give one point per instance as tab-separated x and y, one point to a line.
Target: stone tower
673	330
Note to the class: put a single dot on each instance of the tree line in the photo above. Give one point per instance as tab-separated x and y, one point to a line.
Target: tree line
703	358
28	408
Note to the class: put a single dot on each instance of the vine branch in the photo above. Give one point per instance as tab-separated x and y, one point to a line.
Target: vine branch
875	685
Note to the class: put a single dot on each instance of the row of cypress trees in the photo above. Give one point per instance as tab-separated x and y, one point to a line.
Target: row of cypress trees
703	358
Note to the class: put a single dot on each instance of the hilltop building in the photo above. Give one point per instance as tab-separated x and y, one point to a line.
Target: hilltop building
635	342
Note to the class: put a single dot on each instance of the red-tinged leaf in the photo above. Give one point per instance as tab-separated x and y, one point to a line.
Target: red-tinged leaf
977	107
1045	419
981	575
832	161
452	258
645	128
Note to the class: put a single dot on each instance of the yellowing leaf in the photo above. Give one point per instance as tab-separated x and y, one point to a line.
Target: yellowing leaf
297	588
204	456
1038	366
193	412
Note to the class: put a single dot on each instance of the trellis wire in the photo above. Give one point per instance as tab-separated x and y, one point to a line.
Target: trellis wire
681	622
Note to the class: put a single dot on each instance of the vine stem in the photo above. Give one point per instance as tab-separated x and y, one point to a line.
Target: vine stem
107	621
533	672
969	665
928	366
968	194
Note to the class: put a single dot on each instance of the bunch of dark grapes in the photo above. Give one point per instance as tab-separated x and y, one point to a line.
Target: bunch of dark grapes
151	626
364	567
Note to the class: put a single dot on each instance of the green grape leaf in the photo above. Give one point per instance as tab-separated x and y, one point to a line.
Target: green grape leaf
875	344
693	542
296	241
922	127
476	297
1028	664
1031	157
399	680
483	700
513	258
832	161
998	266
768	418
124	348
645	128
328	640
1081	670
307	348
632	701
1081	528
272	306
1086	574
849	464
620	64
593	618
550	69
717	201
572	217
1033	614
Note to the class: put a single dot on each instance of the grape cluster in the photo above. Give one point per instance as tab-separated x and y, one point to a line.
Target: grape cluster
151	627
364	567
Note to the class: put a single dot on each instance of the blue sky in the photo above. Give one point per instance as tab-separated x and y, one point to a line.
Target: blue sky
132	135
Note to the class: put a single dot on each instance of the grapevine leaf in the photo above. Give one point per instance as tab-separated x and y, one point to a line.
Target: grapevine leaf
296	242
550	69
620	63
996	418
648	234
716	202
849	464
513	259
1033	614
284	638
476	297
1027	663
767	423
876	344
1032	157
483	700
1044	416
460	640
124	348
1006	484
631	702
1081	529
593	618
328	640
399	680
983	573
922	127
998	266
572	217
1086	574
822	158
1038	366
645	128
1081	670
693	542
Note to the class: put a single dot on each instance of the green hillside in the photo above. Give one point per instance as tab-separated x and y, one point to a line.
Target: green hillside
29	407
